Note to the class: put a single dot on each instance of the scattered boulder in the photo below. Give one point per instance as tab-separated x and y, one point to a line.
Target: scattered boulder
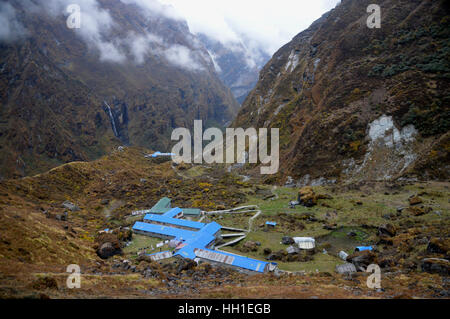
345	268
269	196
62	217
289	182
125	234
418	211
107	245
385	239
307	197
107	250
293	203
436	266
186	264
330	226
249	246
292	250
45	283
275	256
362	259
422	241
331	215
267	251
387	262
415	200
389	216
71	206
305	255
286	240
387	229
438	246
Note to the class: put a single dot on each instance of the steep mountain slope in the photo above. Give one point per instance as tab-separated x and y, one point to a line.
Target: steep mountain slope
237	66
127	76
354	103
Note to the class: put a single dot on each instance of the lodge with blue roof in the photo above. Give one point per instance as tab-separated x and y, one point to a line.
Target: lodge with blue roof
196	240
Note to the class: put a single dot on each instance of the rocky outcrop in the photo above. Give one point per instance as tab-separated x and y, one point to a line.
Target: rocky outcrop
354	103
107	245
436	266
439	246
307	197
286	240
362	259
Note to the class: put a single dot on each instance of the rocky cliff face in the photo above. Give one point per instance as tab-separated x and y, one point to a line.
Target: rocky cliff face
128	76
354	103
237	66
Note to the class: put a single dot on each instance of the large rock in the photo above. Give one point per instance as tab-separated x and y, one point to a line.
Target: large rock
436	266
186	264
387	229
415	200
292	250
330	226
249	246
362	259
275	256
345	268
385	240
286	240
107	245
418	210
45	283
438	246
107	250
71	206
307	197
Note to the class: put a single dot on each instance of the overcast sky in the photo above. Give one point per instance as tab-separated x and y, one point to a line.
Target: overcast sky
271	23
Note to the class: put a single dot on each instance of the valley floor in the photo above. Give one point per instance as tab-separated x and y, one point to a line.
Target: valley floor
38	240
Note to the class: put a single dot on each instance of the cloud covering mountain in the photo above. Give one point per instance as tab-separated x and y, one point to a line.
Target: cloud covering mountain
258	24
98	27
128	75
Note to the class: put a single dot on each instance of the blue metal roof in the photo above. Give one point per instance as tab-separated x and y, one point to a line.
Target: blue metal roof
195	239
202	239
244	262
173	212
192	239
211	228
271	223
163	230
199	242
156	154
362	248
174	221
